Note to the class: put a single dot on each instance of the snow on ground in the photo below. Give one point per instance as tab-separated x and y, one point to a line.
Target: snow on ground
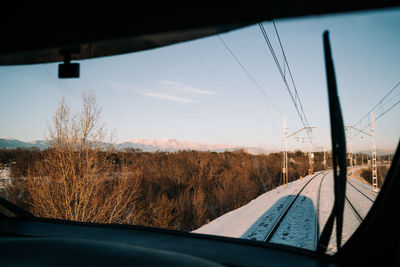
5	173
363	186
298	227
255	220
360	193
4	177
350	224
260	229
356	179
241	222
326	200
358	200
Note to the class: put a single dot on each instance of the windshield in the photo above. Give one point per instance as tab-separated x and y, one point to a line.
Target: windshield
225	135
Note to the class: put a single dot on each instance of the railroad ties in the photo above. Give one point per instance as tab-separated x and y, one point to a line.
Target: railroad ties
301	218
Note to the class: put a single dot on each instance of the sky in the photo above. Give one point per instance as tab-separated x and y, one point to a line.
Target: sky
196	91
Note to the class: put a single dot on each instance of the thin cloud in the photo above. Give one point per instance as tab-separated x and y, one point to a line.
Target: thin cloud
186	88
170	90
122	87
170	98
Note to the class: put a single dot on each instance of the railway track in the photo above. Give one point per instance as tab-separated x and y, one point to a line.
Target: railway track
358	215
352	204
361	192
286	210
357	205
277	233
316	237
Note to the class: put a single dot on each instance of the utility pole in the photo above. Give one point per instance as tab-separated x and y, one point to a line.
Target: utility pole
285	157
374	168
373	150
350	143
310	160
351	154
324	159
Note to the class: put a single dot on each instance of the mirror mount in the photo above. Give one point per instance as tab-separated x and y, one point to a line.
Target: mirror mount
68	69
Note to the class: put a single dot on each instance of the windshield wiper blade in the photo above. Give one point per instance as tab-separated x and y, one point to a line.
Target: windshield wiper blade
338	153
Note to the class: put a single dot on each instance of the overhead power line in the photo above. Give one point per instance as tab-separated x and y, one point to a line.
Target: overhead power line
249	75
290	73
380	116
305	124
380	103
294	96
269	101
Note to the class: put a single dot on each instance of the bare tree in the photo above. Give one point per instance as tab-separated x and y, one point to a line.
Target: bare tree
76	180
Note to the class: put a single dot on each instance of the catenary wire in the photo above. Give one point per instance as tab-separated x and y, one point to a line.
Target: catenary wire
301	113
269	101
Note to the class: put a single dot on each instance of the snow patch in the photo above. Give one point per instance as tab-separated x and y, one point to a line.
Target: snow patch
243	221
255	220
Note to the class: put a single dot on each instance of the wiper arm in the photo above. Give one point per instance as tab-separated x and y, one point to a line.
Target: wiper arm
338	154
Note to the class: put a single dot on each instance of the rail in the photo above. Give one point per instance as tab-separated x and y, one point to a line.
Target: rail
279	220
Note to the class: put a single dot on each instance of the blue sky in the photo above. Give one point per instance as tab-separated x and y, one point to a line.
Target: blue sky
195	91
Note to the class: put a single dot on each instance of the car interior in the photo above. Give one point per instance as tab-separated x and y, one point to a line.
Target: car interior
70	34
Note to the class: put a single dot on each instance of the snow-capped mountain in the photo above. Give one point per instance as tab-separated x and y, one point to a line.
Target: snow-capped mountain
171	144
146	145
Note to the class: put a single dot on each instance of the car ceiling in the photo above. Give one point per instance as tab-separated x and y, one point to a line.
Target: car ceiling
44	34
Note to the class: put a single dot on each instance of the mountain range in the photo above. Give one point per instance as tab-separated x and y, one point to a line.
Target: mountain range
9	142
169	145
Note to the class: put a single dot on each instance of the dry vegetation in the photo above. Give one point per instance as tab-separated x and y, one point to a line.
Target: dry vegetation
79	179
366	174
